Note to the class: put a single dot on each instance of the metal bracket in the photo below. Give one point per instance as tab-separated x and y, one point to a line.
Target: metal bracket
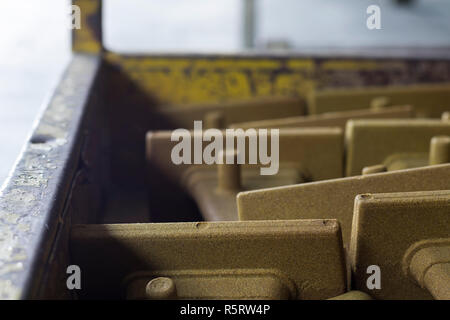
109	253
384	227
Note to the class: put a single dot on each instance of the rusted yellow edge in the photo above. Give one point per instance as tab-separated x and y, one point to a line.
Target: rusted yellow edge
88	38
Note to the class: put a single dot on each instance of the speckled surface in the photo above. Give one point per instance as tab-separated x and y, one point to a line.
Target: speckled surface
334	199
306	253
385	226
372	142
332	119
31	203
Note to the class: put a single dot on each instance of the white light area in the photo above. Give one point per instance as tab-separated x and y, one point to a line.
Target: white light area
174	25
332	23
215	25
30	31
34	51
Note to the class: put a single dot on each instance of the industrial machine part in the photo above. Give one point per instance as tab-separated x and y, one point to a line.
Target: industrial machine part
207	260
215	189
406	236
329	119
428	262
220	115
79	192
309	154
398	144
353	295
428	100
334	199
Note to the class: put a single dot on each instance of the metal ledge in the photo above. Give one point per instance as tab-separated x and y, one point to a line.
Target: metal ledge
356	53
32	201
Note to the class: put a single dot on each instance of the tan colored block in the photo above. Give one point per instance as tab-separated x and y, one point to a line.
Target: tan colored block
331	119
374	169
428	100
334	199
439	150
183	116
308	154
204	284
373	142
380	102
318	151
353	295
445	116
385	226
108	254
428	263
217	205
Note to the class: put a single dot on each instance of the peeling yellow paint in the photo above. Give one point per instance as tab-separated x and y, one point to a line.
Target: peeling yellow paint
229	64
195	80
303	64
350	65
179	80
84	39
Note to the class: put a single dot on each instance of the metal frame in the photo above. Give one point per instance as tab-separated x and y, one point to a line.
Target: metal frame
37	199
33	202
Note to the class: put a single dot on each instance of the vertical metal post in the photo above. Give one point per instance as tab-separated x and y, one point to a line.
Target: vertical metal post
88	39
249	24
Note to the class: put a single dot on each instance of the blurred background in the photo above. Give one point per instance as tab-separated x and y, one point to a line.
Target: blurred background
35	39
220	25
